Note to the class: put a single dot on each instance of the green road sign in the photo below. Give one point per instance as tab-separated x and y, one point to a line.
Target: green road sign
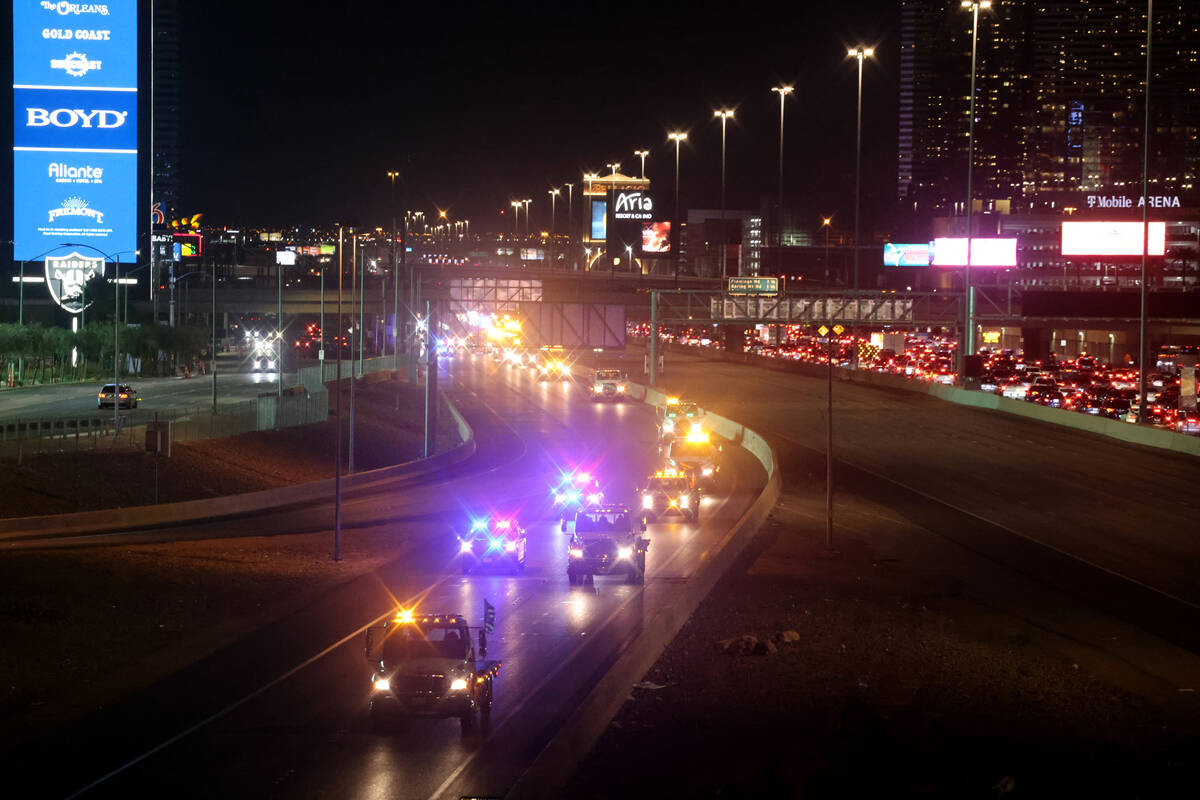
754	285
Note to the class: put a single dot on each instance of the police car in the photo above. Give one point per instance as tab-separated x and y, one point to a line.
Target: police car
671	491
496	542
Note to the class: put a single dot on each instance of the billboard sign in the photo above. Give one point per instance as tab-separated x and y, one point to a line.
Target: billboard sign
905	255
67	275
1112	238
74	126
599	220
656	238
990	252
632	205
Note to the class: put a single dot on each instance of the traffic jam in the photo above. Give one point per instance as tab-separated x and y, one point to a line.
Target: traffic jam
432	663
1085	384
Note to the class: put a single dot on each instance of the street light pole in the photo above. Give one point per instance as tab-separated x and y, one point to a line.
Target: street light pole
214	334
783	91
826	223
1142	350
337	459
859	53
677	137
968	289
395	287
642	155
724	116
570	223
526	202
553	205
353	371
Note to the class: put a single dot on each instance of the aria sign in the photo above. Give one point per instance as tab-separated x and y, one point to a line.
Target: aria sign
67	275
632	205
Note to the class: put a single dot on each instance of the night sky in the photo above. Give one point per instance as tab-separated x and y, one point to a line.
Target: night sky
294	112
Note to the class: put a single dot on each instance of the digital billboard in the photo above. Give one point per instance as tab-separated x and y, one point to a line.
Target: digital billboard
656	238
905	255
599	219
74	126
990	252
1112	238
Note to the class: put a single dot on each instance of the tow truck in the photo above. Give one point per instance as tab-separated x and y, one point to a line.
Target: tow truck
424	665
697	453
679	418
671	491
493	541
607	541
609	384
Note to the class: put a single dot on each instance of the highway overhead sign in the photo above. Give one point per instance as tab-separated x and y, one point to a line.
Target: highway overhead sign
757	284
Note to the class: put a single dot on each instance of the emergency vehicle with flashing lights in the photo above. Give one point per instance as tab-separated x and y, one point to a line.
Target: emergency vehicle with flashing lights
671	491
576	490
425	665
552	364
607	541
679	418
609	384
696	452
495	542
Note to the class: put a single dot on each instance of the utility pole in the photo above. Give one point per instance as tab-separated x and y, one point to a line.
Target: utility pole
278	342
337	460
353	375
1143	351
214	333
431	375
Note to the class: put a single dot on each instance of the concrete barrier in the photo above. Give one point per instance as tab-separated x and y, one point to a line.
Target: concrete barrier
268	500
550	771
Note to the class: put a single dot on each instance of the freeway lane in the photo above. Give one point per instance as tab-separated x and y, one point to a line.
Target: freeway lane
306	734
79	399
1128	509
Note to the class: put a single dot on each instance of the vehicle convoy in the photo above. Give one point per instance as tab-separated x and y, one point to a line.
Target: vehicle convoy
678	418
124	397
607	541
697	453
425	665
609	384
671	491
493	542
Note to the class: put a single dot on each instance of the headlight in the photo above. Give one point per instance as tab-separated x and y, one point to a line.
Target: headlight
465	547
620	388
685	501
625	552
458	685
575	552
706	471
668	425
382	684
647	501
559	497
595	498
510	547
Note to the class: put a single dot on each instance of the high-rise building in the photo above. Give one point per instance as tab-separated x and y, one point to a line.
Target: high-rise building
166	97
1059	100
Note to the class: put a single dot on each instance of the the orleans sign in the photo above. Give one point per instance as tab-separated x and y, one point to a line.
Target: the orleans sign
67	275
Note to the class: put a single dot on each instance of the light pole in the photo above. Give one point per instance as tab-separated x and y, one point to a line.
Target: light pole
570	222
783	92
642	155
1142	351
859	53
969	295
526	203
629	256
614	166
677	137
554	193
826	223
395	285
723	115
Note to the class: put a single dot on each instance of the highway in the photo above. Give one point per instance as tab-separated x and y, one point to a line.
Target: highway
79	399
283	714
972	474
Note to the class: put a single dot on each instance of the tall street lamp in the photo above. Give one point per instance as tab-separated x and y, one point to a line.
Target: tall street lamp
526	203
395	284
724	115
554	193
969	332
570	223
783	92
859	53
677	137
826	223
642	155
614	166
1142	351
